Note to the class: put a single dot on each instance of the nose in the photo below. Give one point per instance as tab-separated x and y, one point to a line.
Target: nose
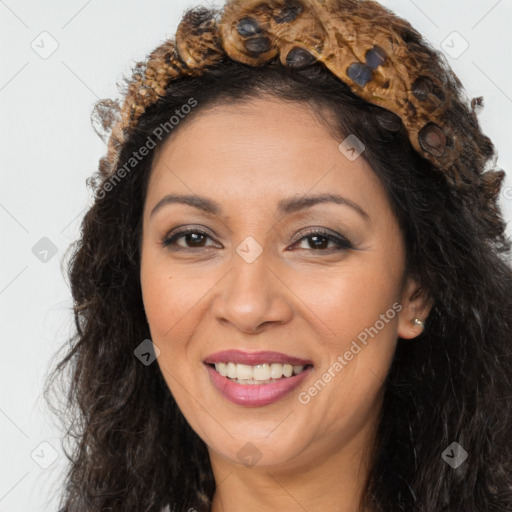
252	297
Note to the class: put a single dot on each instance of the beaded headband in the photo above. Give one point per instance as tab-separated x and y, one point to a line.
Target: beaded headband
380	56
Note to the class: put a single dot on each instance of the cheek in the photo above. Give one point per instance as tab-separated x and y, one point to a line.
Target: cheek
166	301
174	300
355	310
346	301
172	305
361	312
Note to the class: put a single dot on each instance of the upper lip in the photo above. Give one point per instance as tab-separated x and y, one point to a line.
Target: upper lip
253	358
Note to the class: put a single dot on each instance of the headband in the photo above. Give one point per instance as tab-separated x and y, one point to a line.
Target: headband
380	56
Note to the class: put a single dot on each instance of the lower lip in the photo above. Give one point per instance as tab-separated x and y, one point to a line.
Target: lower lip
255	395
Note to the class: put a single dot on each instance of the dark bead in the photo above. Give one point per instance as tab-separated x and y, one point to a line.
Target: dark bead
299	58
432	139
288	13
360	73
389	120
248	27
258	44
422	87
375	57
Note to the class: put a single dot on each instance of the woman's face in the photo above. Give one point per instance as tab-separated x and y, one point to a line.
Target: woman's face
264	275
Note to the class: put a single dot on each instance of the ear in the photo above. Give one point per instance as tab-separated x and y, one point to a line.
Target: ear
415	304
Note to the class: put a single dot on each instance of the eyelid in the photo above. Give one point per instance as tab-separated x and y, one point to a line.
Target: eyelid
319	231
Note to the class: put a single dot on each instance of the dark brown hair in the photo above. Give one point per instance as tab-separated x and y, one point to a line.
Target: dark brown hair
130	446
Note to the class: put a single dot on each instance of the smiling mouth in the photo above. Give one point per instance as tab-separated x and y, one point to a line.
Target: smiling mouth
258	374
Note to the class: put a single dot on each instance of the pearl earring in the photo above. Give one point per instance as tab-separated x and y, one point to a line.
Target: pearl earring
417	321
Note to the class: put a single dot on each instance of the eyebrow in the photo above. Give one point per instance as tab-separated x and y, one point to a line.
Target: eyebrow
286	206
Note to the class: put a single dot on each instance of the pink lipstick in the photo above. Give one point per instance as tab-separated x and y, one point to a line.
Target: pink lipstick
252	393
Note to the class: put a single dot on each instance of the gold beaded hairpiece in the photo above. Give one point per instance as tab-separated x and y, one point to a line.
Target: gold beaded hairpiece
380	56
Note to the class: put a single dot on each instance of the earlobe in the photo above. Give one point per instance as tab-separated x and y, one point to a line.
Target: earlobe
416	306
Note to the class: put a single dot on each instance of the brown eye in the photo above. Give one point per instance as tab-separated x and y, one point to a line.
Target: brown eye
319	240
195	237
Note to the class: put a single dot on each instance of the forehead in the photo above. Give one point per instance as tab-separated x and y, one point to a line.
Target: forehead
259	149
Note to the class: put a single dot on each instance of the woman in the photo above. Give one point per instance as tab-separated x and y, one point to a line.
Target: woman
292	290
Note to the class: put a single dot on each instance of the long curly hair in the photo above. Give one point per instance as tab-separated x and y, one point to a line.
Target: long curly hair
128	444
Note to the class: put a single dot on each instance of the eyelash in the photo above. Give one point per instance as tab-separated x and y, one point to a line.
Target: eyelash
342	243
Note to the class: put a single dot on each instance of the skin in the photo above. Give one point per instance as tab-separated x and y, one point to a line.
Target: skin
201	297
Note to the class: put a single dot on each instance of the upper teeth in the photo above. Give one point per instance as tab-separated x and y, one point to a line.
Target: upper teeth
258	371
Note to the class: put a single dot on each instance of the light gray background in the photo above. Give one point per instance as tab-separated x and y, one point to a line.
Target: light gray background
49	149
